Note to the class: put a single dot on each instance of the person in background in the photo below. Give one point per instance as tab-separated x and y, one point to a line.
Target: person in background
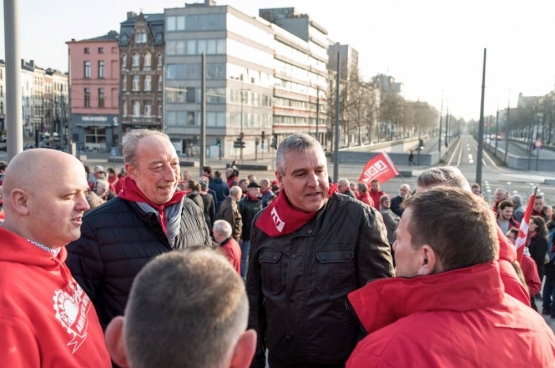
376	193
3	166
476	189
220	189
343	186
518	210
193	296
527	268
404	192
363	195
46	319
230	212
537	237
208	202
548	292
538	208
228	245
265	191
452	254
248	207
390	219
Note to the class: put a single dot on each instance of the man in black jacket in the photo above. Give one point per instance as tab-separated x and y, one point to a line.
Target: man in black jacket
149	217
404	192
248	207
309	249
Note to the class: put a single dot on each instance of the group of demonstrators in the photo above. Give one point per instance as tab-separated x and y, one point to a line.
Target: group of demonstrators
231	272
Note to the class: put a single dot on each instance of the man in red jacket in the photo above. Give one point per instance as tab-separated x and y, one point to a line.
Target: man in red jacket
447	306
46	319
376	193
450	176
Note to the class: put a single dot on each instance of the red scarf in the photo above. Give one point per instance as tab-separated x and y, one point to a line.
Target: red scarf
281	219
132	193
251	197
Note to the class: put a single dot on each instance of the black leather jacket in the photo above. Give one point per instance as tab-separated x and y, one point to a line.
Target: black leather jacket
298	283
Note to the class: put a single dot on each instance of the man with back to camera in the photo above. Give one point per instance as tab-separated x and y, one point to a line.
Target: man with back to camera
309	249
450	176
186	309
46	319
149	217
473	323
248	207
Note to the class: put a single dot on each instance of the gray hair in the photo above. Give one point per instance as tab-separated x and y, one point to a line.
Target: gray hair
131	140
223	227
446	176
344	181
234	190
299	142
517	200
193	296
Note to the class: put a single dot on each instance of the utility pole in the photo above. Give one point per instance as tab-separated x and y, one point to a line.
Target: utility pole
203	115
13	78
481	127
496	132
317	110
506	136
440	118
336	155
447	127
241	134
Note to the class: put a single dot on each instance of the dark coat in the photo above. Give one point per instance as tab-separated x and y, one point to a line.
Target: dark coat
298	283
248	209
538	250
195	197
209	209
117	240
396	206
221	190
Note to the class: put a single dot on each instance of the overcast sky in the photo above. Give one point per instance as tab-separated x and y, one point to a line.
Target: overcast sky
435	48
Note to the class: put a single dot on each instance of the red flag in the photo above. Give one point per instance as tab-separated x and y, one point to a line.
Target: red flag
523	231
379	167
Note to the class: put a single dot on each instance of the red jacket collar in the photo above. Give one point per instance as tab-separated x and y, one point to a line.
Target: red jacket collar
383	302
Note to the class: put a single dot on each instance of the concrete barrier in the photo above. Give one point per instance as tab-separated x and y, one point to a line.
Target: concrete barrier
255	167
525	163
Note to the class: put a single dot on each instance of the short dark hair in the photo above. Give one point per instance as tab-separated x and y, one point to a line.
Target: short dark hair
207	169
504	204
540	223
463	236
186	309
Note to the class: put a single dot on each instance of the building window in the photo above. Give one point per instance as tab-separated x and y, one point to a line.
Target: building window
1	91
191	95
159	83
160	112
159	60
1	108
101	97
147	61
101	69
136	108
190	118
136	61
124	107
136	83
101	50
140	37
148	109
124	62
124	83
148	83
87	97
87	50
87	71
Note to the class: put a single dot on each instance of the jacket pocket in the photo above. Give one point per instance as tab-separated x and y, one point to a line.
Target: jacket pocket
336	271
270	271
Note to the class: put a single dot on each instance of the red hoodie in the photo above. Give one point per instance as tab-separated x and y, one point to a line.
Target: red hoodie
507	256
46	319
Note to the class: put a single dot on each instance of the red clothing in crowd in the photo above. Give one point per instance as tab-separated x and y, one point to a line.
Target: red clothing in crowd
232	251
507	256
530	271
458	318
46	319
376	198
365	197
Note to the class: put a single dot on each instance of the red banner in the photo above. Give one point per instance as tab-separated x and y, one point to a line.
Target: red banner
523	231
379	167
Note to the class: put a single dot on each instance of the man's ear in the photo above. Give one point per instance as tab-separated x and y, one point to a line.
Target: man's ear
429	262
279	178
130	170
115	343
244	350
19	200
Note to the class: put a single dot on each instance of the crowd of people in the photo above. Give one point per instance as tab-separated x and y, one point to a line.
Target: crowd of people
152	267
